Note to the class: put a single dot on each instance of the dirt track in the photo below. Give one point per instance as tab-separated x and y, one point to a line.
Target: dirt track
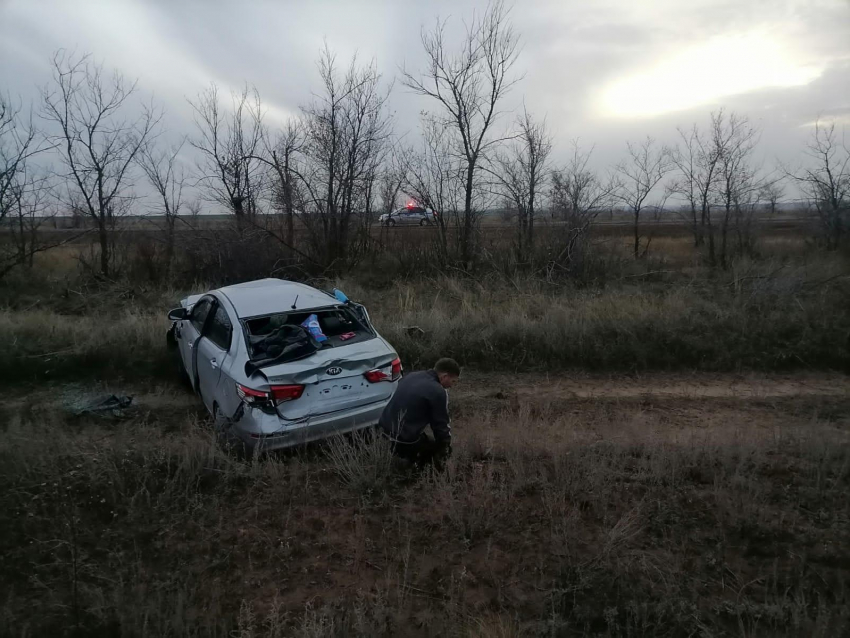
709	408
494	391
690	386
548	410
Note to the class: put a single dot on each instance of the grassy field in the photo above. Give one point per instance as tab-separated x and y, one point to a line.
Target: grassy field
648	448
660	505
746	319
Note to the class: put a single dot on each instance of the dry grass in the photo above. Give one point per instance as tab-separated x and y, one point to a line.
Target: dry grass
44	344
762	316
754	318
648	505
789	308
362	461
639	515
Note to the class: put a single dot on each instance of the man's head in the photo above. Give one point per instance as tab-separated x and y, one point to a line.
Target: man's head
448	372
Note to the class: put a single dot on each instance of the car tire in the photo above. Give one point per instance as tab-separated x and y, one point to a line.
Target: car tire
391	223
424	222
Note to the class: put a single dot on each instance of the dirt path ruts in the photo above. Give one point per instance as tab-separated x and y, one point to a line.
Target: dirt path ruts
690	386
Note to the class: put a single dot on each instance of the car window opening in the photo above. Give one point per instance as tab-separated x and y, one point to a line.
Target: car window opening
339	325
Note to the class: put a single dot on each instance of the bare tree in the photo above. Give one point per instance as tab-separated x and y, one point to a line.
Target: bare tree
520	171
25	191
434	177
390	183
639	176
578	196
18	142
282	155
33	207
469	84
737	186
230	143
772	193
697	162
715	173
97	139
193	208
347	129
826	182
166	176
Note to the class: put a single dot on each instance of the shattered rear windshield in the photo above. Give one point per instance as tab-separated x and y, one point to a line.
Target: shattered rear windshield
339	326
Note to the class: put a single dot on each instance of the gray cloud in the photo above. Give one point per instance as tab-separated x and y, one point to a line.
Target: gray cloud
571	51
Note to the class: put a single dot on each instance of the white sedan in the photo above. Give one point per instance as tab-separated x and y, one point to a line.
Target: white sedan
278	363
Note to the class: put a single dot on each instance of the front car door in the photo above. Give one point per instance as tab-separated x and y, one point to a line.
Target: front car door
190	330
213	349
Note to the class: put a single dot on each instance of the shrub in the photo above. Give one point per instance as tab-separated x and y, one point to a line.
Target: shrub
363	461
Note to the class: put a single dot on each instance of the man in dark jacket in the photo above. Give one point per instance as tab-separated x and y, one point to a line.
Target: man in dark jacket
419	401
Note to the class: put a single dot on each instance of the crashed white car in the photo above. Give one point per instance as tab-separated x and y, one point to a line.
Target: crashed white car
278	363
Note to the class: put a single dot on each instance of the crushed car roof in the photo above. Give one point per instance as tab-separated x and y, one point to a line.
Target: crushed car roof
268	296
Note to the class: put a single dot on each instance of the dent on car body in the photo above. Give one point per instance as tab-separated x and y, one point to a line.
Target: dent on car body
312	369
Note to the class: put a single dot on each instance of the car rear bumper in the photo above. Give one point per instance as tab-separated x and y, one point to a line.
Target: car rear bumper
259	431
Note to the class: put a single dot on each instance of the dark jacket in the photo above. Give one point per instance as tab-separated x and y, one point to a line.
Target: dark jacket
418	401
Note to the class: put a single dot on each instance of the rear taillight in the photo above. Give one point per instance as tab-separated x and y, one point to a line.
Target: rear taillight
276	394
251	396
373	376
391	372
282	393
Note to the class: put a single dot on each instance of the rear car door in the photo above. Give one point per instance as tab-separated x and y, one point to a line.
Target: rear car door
190	330
213	348
415	216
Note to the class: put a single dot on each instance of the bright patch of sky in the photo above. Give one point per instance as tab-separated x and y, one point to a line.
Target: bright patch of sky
704	74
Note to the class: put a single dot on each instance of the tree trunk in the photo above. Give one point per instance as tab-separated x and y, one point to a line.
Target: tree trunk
520	235
169	246
637	234
287	202
465	247
700	230
712	253
103	235
695	226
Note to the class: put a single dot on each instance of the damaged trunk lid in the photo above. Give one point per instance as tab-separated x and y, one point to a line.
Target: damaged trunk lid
333	379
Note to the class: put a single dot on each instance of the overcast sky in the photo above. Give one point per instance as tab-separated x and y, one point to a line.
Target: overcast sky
605	71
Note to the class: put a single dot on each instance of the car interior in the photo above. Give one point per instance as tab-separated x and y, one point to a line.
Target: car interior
339	325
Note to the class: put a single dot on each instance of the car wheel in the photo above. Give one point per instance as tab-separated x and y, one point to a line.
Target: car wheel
424	222
391	223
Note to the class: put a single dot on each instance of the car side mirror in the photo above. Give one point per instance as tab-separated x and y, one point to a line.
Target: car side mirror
178	314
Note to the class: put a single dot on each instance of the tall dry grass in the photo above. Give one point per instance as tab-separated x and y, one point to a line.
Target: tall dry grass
363	461
759	316
763	316
546	522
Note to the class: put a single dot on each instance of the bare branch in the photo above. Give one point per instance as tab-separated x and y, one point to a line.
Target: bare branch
98	145
469	84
